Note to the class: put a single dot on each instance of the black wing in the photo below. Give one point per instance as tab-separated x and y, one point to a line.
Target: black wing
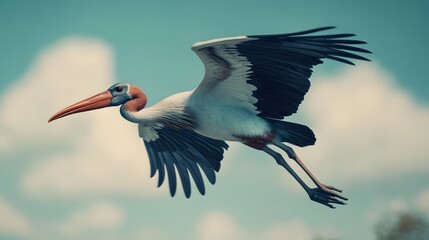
276	66
187	152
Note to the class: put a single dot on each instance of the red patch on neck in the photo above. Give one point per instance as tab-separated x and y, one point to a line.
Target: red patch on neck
138	100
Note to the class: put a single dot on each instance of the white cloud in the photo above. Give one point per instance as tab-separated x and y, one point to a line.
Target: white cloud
422	201
216	225
12	222
296	230
152	233
367	128
384	207
110	158
96	152
396	205
69	68
99	217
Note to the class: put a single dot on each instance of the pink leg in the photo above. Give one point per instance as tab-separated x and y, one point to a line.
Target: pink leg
316	194
291	153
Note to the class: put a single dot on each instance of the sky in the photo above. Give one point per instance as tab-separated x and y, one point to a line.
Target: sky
87	176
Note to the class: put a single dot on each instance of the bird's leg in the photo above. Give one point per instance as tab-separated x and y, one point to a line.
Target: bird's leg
291	153
281	161
315	194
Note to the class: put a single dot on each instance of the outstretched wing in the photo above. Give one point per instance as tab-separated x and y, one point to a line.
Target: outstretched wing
268	74
184	150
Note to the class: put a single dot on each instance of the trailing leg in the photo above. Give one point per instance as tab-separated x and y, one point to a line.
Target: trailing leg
316	194
281	161
292	155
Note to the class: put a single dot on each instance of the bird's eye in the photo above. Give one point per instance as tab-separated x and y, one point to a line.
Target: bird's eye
118	89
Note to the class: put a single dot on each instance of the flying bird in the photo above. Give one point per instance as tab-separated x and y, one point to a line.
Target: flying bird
251	84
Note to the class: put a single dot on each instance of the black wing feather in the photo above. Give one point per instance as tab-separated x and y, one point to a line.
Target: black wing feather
171	172
184	150
282	63
196	175
153	159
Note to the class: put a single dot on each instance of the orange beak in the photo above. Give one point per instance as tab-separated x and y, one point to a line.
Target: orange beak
100	100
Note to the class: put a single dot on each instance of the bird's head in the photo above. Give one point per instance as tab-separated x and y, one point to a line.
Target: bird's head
118	94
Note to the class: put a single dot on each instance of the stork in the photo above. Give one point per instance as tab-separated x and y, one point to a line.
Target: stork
251	84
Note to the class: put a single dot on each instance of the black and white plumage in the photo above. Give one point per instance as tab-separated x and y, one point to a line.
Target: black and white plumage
186	151
277	67
250	84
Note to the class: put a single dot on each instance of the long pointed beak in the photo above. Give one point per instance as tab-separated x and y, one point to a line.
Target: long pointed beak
100	100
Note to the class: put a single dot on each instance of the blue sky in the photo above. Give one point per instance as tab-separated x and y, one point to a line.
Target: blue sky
86	176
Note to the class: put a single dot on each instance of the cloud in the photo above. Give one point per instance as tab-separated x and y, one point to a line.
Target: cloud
70	67
295	229
385	207
96	152
382	206
109	159
12	222
99	217
96	219
422	201
152	233
216	225
367	127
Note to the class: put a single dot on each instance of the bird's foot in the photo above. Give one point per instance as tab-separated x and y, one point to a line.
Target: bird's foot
327	196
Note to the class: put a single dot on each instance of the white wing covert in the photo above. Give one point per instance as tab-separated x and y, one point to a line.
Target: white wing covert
268	74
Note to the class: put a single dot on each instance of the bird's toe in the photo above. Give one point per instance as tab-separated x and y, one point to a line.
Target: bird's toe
327	198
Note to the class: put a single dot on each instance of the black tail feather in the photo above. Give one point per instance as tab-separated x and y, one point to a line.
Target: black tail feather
293	133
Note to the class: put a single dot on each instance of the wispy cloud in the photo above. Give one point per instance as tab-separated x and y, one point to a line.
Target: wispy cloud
367	127
95	153
12	222
95	219
384	206
422	201
98	217
218	225
70	67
